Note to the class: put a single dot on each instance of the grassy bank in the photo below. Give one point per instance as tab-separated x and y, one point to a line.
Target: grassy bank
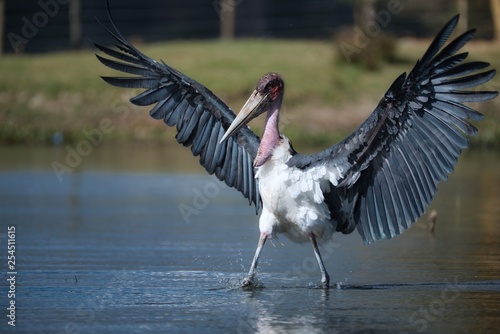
325	98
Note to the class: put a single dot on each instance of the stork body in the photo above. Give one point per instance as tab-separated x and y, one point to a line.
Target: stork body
379	180
292	198
290	207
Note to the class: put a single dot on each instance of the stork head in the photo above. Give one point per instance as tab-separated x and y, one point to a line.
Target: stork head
269	90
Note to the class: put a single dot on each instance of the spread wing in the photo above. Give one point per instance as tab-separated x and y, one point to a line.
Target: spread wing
199	116
384	175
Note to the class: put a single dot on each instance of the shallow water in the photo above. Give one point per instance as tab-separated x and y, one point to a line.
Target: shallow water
132	241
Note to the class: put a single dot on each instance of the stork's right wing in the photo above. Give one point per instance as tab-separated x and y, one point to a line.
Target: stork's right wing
385	174
200	117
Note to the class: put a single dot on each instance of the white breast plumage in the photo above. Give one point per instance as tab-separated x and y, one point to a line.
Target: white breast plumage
293	201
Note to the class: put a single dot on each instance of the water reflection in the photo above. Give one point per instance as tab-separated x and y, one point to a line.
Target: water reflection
114	223
112	158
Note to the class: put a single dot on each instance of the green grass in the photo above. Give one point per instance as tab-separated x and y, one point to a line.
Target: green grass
325	99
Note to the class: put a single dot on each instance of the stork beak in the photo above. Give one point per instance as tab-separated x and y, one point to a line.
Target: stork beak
254	106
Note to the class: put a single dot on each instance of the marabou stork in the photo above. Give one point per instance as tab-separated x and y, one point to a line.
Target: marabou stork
379	180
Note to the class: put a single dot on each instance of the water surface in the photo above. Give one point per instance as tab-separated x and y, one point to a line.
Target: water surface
139	239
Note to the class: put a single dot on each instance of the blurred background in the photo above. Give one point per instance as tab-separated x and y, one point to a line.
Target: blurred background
337	57
73	23
95	187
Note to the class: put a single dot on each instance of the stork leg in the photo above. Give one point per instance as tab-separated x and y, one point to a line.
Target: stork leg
249	280
325	278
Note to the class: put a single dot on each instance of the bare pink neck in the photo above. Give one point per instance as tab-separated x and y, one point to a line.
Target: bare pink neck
271	136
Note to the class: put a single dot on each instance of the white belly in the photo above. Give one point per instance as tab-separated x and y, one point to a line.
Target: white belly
293	202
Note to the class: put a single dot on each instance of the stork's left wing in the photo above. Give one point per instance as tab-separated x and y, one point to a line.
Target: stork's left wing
384	175
199	116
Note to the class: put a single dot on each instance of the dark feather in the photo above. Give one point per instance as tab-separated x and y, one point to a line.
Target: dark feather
410	143
200	117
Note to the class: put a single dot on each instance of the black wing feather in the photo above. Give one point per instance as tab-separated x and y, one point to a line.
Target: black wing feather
410	143
200	117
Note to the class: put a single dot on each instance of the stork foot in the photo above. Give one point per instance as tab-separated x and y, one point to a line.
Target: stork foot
250	282
325	278
325	281
247	282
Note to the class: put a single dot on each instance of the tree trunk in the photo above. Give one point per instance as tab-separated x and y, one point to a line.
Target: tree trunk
75	24
227	16
463	10
495	15
2	24
364	12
